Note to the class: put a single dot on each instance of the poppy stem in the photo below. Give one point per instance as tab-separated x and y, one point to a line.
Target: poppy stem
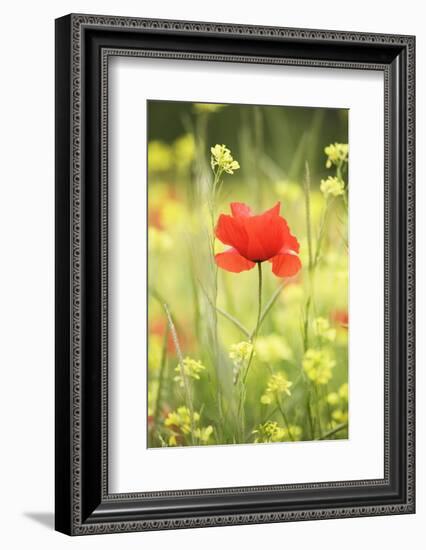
259	315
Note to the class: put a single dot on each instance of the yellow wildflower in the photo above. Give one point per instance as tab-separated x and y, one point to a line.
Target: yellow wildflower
332	186
278	384
318	365
159	241
189	368
344	392
240	354
332	398
323	330
184	150
337	153
160	157
289	191
269	432
203	434
222	158
272	349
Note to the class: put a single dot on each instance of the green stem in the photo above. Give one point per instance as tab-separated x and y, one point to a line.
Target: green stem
318	412
283	414
163	363
268	306
186	384
333	431
321	232
307	189
259	315
250	359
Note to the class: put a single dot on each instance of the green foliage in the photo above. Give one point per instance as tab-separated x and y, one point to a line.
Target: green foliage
227	382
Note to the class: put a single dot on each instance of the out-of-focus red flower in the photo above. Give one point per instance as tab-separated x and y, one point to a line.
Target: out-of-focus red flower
155	219
158	327
340	317
254	239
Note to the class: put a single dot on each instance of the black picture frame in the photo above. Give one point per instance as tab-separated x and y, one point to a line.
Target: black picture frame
83	46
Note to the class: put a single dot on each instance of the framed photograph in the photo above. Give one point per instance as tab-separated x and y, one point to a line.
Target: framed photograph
234	274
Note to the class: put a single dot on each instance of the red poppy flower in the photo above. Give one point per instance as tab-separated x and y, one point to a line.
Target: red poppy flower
253	239
341	317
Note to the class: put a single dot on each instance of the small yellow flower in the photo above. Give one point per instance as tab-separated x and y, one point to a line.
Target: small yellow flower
184	151
318	365
179	424
340	416
160	156
203	434
332	398
288	191
240	354
344	392
278	384
332	186
189	368
293	433
159	241
323	330
222	159
273	348
337	153
269	432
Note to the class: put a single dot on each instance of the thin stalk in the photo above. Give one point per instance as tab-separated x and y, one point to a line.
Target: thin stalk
163	363
283	414
240	410
310	417
186	384
333	431
321	231
227	315
318	412
259	314
307	189
268	306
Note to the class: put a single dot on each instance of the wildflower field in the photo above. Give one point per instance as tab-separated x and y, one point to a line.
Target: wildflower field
247	274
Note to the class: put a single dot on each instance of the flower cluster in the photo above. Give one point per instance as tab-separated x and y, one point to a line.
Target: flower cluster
222	160
339	401
240	354
278	384
189	368
179	424
184	151
163	157
159	241
332	186
318	365
271	432
323	331
337	153
272	349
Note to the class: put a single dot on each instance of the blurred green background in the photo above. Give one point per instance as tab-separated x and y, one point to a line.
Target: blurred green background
288	136
273	146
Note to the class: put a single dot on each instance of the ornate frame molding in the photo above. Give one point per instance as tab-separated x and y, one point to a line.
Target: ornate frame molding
73	48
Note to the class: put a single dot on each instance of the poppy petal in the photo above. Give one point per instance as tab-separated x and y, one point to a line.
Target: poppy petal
286	265
275	210
240	209
267	234
290	241
231	260
230	231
